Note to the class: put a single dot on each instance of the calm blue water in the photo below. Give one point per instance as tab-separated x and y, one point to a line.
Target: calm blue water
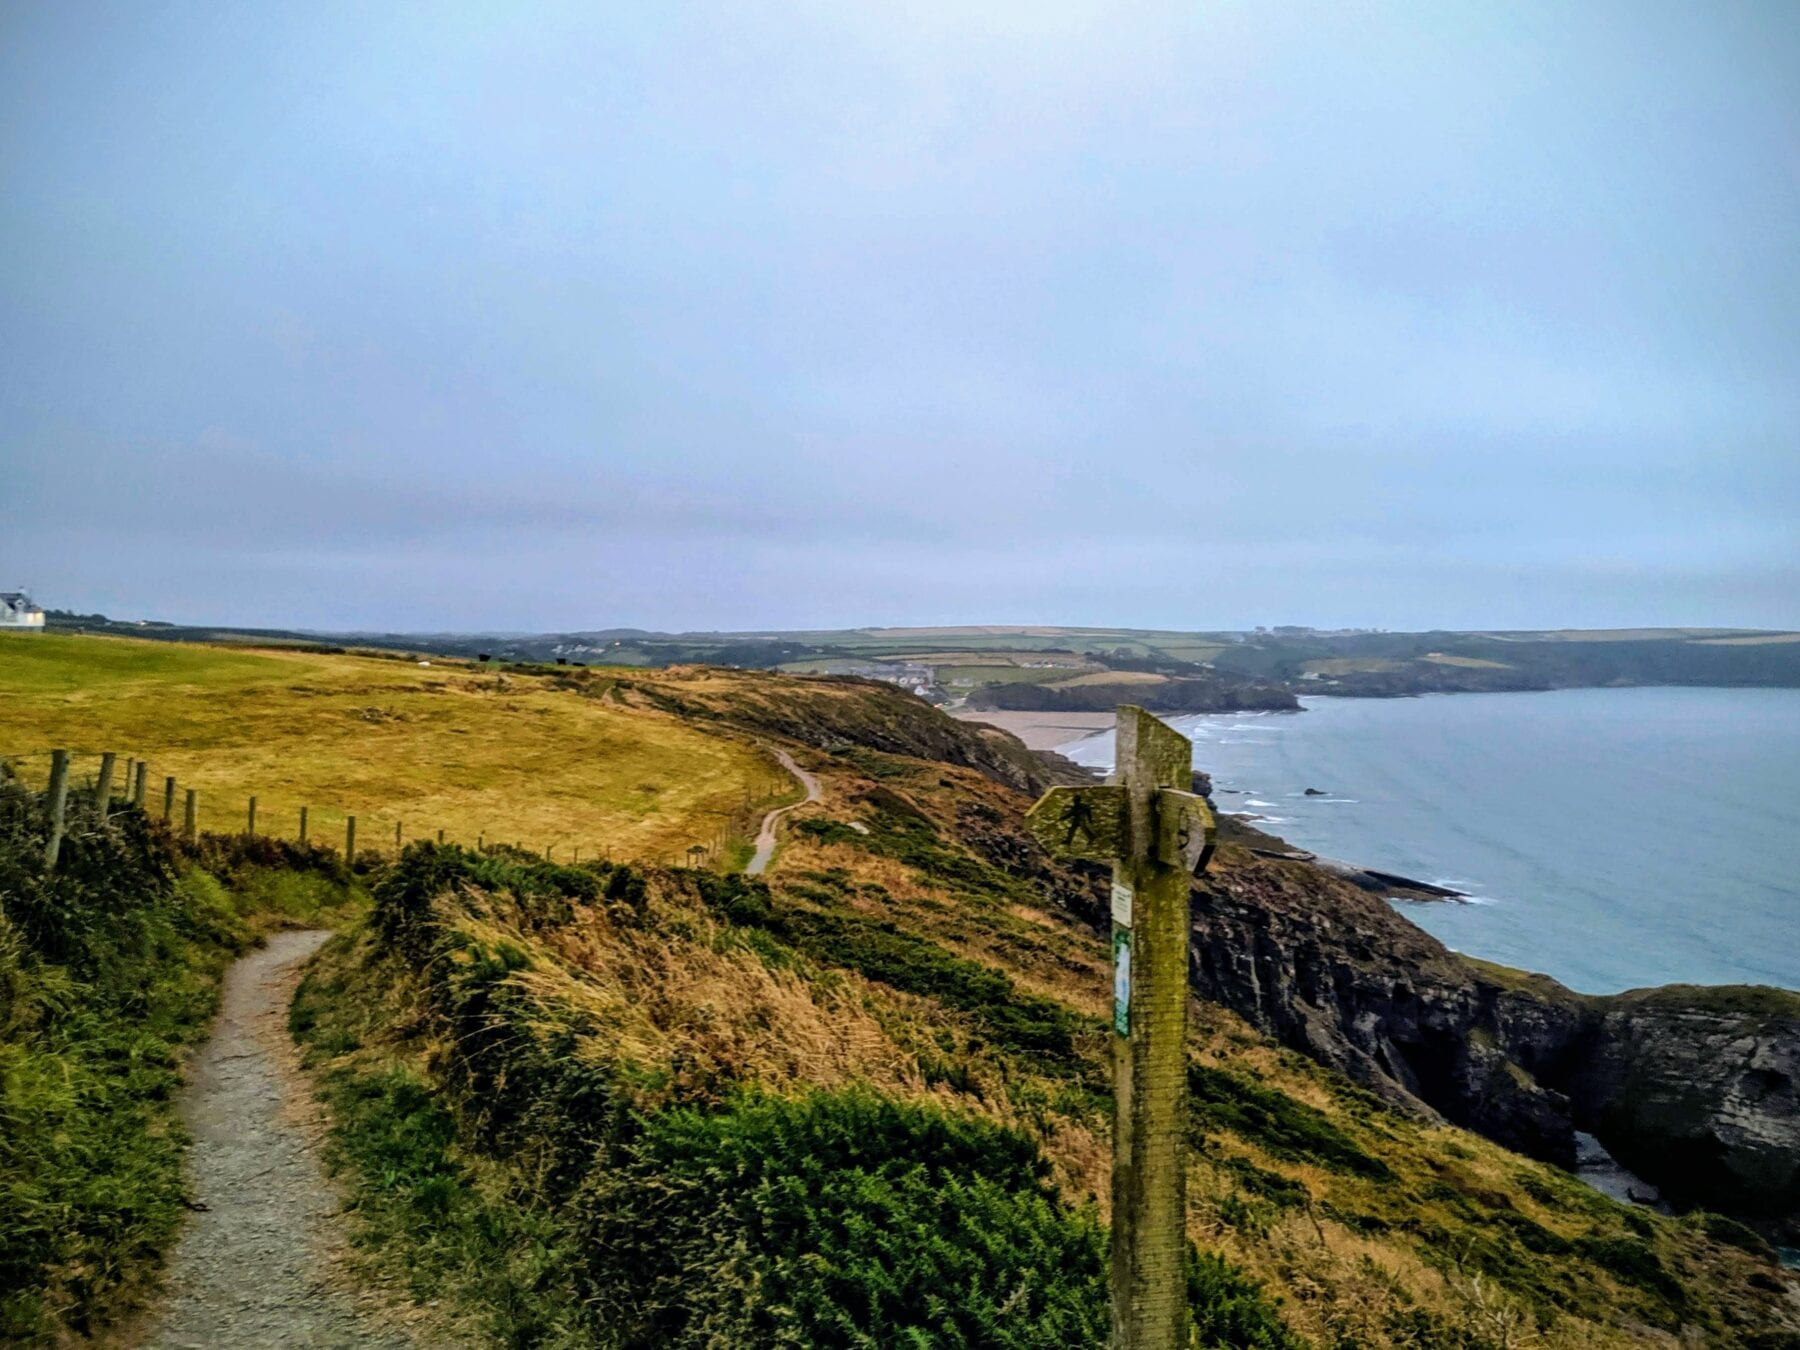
1612	838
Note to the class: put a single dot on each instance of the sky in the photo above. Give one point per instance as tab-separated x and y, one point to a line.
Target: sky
749	316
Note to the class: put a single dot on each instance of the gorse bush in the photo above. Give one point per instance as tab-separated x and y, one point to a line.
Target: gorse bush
837	1220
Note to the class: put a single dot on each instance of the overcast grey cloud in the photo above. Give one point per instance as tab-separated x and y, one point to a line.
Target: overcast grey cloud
682	316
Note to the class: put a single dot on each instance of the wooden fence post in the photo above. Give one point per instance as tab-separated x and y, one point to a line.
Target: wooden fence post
440	836
169	799
58	794
250	820
349	839
103	788
396	836
140	775
303	824
191	823
1157	835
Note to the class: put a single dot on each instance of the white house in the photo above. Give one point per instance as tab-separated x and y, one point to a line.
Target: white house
18	614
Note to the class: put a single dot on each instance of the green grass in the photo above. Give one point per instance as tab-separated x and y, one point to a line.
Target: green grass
109	967
1285	1128
60	664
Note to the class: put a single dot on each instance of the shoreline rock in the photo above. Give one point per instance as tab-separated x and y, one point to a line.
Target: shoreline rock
1693	1089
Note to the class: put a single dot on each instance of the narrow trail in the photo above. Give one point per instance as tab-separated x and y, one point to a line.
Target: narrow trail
256	1265
765	837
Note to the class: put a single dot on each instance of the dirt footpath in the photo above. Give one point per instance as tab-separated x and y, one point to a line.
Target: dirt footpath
258	1265
765	837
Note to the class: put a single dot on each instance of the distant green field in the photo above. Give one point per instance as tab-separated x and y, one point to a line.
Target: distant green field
51	663
973	675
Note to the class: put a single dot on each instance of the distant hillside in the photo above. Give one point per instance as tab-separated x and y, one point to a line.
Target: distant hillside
1045	668
1202	692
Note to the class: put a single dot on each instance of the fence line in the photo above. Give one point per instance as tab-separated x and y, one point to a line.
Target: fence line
737	823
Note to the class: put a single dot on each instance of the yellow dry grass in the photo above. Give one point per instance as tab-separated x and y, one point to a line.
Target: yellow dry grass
1352	665
446	746
1465	662
1111	677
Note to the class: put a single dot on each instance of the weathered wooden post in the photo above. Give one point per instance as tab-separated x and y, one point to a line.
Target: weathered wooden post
349	839
168	799
250	820
190	828
58	800
1156	835
396	836
140	779
103	788
303	824
440	836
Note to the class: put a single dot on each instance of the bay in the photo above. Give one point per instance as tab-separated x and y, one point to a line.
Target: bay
1612	838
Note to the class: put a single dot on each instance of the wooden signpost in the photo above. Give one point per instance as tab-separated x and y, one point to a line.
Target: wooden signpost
1157	835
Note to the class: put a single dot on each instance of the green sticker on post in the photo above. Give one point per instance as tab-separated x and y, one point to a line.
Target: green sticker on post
1122	981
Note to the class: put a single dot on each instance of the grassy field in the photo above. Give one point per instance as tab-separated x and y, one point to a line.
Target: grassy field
544	761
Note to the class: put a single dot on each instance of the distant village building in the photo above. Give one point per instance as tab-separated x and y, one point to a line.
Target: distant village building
910	676
18	614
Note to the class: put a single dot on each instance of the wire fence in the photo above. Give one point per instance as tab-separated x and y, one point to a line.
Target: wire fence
110	782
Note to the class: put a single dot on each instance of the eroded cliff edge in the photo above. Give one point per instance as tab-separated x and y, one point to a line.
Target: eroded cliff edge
1693	1088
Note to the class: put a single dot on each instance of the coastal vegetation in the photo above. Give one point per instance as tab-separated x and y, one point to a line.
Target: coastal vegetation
862	1100
109	972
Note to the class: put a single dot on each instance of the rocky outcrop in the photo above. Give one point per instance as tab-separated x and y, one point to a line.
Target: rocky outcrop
1698	1089
1692	1088
1333	971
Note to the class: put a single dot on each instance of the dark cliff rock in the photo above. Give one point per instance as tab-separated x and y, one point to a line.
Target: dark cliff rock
1698	1090
1180	694
1692	1088
1335	972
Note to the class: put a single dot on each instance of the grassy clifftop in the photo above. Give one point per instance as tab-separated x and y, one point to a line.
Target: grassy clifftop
859	1099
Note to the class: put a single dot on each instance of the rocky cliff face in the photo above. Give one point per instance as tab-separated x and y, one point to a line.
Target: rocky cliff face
1335	972
1698	1089
1694	1089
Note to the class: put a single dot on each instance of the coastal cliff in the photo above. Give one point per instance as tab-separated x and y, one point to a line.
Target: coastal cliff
1693	1088
1196	693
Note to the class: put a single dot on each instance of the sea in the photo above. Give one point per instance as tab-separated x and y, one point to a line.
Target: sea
1611	838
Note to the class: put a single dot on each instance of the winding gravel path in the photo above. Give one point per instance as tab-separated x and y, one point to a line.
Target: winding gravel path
256	1266
765	837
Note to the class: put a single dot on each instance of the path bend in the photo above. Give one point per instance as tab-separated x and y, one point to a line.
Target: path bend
765	837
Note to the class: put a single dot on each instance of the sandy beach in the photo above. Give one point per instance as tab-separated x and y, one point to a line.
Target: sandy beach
1041	730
